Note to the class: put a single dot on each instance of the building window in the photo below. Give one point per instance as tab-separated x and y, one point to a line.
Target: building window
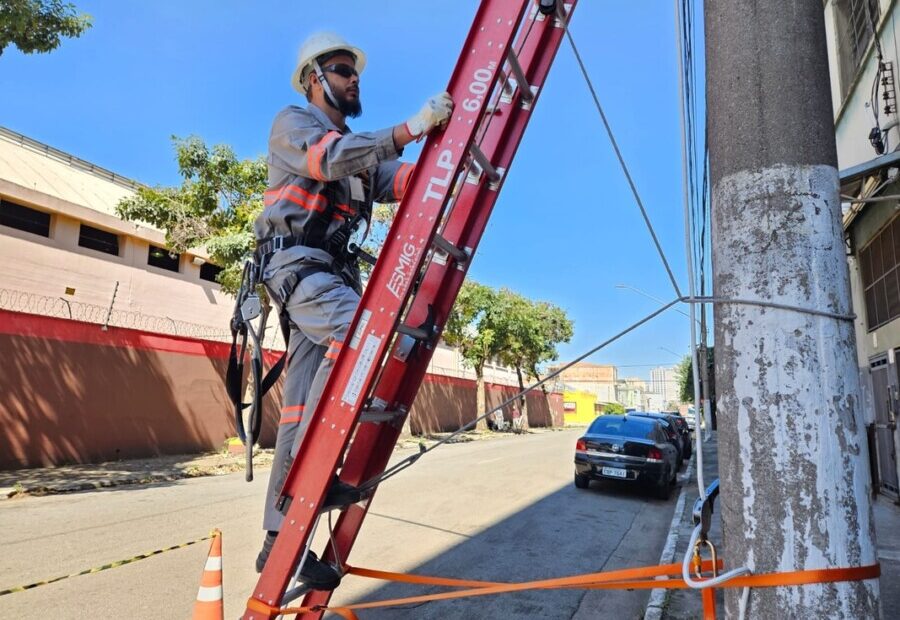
162	258
853	27
23	218
99	240
878	267
208	271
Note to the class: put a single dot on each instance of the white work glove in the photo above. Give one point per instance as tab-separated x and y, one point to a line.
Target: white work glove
435	112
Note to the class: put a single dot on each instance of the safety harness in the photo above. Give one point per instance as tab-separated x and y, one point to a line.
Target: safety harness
344	249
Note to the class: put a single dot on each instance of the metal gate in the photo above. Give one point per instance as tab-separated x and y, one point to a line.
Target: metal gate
885	397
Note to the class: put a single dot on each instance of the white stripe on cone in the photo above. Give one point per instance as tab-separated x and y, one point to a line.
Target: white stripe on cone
209	595
213	563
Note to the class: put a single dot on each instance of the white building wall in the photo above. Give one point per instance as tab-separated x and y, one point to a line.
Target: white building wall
853	117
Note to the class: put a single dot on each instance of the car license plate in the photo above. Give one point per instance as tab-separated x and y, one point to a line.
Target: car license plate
615	472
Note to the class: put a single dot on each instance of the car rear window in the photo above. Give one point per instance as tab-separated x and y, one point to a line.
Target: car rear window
623	427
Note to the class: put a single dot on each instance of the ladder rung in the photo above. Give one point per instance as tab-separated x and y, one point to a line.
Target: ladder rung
414	332
521	81
294	594
458	254
377	415
483	163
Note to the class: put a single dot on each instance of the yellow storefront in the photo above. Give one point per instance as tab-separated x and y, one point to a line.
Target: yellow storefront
579	407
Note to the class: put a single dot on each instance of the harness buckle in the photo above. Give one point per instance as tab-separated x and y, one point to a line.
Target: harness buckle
277	243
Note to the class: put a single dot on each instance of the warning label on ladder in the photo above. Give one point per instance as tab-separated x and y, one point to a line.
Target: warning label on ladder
357	380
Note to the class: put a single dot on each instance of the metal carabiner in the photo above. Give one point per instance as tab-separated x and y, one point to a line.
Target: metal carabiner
698	560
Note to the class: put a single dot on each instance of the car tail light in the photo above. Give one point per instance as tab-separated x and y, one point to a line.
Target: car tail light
581	446
654	454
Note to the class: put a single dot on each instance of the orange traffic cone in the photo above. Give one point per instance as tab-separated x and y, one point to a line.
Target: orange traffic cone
209	605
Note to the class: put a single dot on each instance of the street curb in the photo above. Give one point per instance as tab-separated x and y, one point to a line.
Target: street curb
42	490
658	596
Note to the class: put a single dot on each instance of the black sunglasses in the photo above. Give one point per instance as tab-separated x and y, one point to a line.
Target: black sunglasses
343	70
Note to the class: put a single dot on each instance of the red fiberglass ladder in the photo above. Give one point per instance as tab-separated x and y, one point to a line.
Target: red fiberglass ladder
497	80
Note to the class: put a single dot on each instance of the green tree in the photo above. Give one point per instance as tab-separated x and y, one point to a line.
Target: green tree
684	371
613	408
685	375
39	25
471	328
528	334
213	208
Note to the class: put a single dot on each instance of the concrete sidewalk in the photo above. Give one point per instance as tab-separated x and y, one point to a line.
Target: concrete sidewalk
686	604
89	477
73	478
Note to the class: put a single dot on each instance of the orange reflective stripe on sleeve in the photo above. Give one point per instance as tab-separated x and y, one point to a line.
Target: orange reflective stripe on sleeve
401	180
316	152
333	349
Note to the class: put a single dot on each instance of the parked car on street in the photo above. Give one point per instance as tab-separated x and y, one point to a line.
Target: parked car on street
627	447
680	426
691	422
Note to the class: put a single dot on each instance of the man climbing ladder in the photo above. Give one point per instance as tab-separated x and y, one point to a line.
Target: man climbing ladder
322	181
376	373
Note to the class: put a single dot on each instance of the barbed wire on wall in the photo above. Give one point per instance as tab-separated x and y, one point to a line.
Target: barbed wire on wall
62	308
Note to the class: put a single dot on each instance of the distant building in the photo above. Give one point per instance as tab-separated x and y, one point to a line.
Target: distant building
579	406
631	392
67	254
664	381
600	379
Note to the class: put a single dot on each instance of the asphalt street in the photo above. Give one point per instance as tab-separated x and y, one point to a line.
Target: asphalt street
500	510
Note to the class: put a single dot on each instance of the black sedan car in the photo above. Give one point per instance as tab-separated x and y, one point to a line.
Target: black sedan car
677	425
629	448
675	435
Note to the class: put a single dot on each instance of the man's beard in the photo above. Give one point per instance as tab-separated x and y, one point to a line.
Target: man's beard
349	108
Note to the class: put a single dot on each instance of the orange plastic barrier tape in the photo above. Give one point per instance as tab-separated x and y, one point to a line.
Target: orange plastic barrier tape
630	578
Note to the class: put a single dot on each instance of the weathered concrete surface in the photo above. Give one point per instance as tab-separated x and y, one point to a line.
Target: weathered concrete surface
687	604
795	487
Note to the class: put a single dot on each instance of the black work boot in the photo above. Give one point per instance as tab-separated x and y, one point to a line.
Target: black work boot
265	551
341	494
316	574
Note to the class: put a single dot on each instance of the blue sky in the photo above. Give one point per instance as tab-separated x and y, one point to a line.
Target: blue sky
565	228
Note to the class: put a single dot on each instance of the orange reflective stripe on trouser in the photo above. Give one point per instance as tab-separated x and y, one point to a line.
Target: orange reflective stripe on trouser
401	180
317	152
293	413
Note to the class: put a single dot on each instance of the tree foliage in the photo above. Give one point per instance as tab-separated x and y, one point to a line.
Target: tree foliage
685	374
504	326
613	408
39	25
684	371
471	326
529	331
213	208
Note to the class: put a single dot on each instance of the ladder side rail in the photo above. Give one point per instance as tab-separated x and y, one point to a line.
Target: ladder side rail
372	447
387	293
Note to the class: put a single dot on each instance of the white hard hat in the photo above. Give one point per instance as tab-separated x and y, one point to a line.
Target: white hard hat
318	44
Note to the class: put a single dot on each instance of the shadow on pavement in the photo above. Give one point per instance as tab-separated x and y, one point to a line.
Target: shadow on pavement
568	532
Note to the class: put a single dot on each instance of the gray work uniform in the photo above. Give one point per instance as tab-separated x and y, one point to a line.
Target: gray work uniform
312	164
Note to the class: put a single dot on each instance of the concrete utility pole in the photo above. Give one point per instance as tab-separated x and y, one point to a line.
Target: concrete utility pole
792	447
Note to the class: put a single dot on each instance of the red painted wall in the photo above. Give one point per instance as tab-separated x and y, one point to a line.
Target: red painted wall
74	393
